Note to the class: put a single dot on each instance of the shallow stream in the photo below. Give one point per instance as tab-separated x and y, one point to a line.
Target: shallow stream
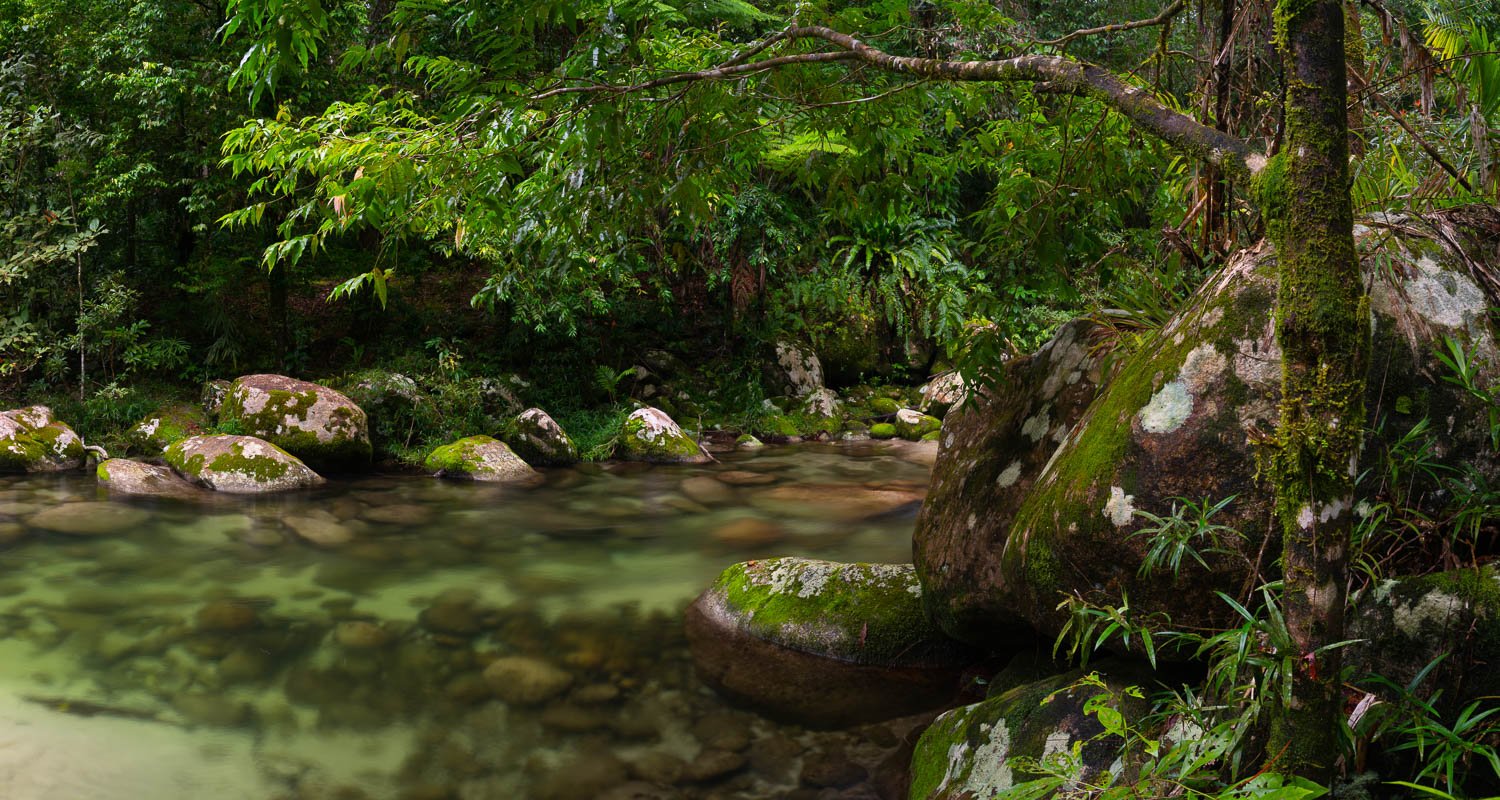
333	644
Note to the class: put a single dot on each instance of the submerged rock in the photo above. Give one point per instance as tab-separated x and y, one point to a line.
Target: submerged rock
480	458
650	435
239	465
821	643
123	476
540	441
88	518
522	681
1037	487
969	752
31	440
312	422
157	431
836	500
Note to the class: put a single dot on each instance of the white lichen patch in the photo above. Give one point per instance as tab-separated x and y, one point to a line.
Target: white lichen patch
982	771
1057	742
1120	508
1428	615
1202	366
1010	475
1036	426
655	426
1168	409
1305	518
1066	356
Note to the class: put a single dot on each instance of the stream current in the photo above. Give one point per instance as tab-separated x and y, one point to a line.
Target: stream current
333	644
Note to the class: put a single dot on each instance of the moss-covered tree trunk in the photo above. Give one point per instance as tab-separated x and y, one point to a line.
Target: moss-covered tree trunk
1322	325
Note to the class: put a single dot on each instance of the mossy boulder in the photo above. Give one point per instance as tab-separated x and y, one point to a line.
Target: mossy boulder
823	404
981	750
648	434
942	393
822	643
537	438
316	424
797	372
883	430
883	406
747	441
31	440
395	405
851	348
1037	486
238	465
912	425
126	477
480	458
156	431
1405	624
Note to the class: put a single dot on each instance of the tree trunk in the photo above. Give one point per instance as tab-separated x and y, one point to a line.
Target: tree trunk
1322	326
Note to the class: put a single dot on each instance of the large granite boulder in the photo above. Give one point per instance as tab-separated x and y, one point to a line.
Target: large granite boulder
537	438
156	431
1404	625
823	644
480	458
649	434
1036	489
798	371
395	404
238	465
314	423
31	440
981	750
126	477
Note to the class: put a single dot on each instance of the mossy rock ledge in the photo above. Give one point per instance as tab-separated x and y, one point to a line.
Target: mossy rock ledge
537	438
648	434
1037	485
1402	625
157	431
126	477
480	458
238	465
823	644
971	752
314	423
31	440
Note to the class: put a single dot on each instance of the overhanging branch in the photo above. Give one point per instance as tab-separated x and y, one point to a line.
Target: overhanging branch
1230	154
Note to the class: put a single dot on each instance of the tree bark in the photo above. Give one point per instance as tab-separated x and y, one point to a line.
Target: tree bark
1322	326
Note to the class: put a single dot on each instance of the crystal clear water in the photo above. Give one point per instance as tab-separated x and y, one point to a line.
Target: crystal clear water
218	651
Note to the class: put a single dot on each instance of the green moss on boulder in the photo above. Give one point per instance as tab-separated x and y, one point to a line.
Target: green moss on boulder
823	643
480	458
883	430
156	431
31	440
539	440
238	465
648	434
912	425
314	423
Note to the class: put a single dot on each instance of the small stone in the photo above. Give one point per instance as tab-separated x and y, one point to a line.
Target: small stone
245	665
572	719
723	730
319	531
658	767
706	490
362	635
227	616
713	764
525	681
749	532
89	519
741	477
204	708
831	771
452	618
596	694
398	514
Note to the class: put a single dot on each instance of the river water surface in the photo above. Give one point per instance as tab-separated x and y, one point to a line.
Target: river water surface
332	644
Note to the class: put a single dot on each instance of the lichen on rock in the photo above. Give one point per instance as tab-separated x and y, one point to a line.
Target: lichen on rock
314	423
537	438
238	465
648	434
32	440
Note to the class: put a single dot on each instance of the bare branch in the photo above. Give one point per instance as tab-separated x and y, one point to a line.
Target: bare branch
716	73
1163	18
